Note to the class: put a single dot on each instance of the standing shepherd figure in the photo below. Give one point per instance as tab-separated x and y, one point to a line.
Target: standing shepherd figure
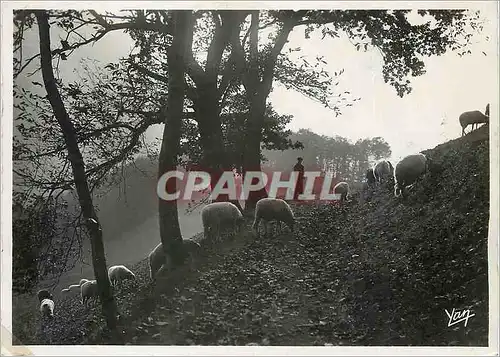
299	187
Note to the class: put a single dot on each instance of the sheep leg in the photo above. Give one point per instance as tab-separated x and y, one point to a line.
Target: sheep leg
403	191
255	226
205	233
218	232
211	237
236	229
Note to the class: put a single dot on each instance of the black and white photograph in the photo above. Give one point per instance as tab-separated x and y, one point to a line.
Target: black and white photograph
250	178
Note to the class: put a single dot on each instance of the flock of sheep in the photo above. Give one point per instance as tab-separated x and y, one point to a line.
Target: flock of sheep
215	217
218	215
88	289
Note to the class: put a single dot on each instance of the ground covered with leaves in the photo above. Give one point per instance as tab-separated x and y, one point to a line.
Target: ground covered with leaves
378	271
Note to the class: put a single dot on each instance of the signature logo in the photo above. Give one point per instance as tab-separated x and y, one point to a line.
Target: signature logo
458	316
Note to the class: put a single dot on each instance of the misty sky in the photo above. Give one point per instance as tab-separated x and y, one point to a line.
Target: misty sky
421	120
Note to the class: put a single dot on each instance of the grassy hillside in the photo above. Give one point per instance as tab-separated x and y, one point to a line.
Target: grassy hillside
378	272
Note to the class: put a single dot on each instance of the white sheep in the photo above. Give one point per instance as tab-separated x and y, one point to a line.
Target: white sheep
474	117
383	170
89	291
47	308
215	216
157	257
342	188
272	209
74	286
408	170
46	303
119	273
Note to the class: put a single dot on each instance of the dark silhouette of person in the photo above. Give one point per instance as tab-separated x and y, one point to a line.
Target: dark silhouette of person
299	187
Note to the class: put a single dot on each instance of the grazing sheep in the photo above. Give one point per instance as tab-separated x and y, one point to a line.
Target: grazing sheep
218	214
342	188
47	308
474	117
408	170
157	257
370	177
119	273
46	303
269	209
74	286
89	291
382	170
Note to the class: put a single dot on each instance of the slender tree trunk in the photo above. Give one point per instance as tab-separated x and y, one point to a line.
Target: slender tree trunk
170	232
78	167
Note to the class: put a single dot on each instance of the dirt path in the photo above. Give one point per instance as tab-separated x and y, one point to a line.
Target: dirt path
277	290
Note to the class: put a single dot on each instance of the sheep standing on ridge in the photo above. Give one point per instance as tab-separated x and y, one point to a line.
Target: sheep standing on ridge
382	171
342	188
89	291
46	303
408	170
474	117
157	258
119	273
269	209
217	215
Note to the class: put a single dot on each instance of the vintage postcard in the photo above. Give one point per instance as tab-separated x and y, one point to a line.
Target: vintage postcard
250	178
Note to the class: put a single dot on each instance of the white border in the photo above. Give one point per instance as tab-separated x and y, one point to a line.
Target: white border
6	191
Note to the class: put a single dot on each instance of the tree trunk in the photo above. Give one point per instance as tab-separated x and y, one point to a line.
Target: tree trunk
80	177
210	126
170	232
251	157
257	92
212	141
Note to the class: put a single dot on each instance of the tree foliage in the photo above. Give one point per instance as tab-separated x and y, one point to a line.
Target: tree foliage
43	246
403	44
